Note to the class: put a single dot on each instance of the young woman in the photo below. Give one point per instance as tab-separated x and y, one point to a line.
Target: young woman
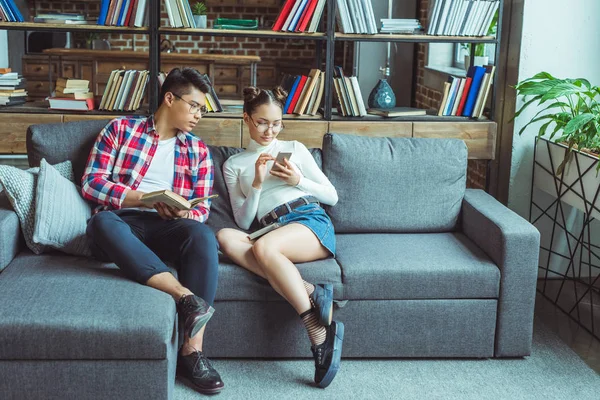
289	193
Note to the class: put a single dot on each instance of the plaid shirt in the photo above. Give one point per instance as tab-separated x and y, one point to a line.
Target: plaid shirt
122	154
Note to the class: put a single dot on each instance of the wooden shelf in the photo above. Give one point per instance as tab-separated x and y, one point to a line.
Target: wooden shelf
41	107
393	37
419	118
269	34
38	26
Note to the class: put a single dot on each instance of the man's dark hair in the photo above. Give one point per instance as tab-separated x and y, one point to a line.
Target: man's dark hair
181	81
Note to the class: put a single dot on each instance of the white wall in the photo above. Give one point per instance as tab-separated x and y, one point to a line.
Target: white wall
3	49
560	37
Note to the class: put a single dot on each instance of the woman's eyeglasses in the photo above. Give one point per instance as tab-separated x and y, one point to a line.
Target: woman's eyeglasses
263	127
194	108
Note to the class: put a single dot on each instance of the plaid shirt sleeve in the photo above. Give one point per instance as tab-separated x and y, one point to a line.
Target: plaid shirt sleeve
95	183
204	185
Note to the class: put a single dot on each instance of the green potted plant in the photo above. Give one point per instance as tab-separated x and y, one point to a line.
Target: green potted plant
568	141
199	11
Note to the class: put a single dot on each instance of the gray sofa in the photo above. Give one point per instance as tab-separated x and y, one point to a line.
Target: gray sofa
424	268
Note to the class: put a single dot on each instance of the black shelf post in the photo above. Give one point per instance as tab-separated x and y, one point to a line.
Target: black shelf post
329	60
154	54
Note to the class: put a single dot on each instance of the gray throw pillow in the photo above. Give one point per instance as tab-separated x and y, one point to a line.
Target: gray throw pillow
61	213
20	186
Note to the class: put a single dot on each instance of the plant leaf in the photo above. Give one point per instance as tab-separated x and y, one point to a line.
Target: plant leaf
578	122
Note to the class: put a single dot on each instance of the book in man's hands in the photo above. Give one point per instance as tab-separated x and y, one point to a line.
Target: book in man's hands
263	231
172	199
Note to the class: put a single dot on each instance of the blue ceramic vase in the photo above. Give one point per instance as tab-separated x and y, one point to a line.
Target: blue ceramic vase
382	96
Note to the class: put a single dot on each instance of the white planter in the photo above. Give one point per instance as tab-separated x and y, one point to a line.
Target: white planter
583	195
200	21
479	61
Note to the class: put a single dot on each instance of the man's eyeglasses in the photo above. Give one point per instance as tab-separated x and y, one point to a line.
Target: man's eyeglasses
194	108
262	127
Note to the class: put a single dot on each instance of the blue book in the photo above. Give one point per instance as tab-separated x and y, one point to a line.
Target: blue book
7	9
103	12
452	95
288	101
478	73
297	16
122	13
16	12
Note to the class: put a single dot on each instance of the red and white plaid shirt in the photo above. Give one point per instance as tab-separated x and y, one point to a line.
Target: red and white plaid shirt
122	154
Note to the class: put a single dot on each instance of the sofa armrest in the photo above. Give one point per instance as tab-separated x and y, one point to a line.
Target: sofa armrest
10	239
513	244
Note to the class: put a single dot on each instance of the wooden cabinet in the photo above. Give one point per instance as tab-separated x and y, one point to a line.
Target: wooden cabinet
38	72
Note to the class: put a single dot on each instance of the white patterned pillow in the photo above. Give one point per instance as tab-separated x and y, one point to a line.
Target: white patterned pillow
20	186
61	213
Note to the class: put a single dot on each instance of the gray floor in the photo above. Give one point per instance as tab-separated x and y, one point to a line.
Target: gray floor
553	371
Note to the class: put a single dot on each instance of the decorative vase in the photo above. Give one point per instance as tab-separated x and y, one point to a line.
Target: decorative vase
382	95
200	21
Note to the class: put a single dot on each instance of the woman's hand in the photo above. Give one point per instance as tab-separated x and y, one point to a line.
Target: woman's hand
260	169
167	212
286	173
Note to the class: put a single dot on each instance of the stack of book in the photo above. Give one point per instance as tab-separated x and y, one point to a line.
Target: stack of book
124	91
68	88
462	17
467	96
350	99
180	14
400	25
12	88
62	18
300	16
304	92
355	16
123	13
9	11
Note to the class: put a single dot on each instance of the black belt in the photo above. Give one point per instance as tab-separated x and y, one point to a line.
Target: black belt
286	208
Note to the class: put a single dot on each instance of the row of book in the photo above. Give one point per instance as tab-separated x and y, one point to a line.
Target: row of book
349	96
300	16
467	96
71	94
179	13
355	16
12	88
305	92
407	26
62	18
462	17
123	13
9	11
213	104
124	90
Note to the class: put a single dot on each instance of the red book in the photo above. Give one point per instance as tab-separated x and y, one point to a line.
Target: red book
283	15
301	84
130	12
308	13
461	105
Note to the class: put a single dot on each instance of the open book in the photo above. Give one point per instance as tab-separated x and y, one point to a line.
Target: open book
263	231
172	199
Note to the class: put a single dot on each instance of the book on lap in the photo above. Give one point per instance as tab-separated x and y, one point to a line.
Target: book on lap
172	199
263	231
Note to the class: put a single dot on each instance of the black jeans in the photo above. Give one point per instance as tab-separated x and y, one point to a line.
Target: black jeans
139	241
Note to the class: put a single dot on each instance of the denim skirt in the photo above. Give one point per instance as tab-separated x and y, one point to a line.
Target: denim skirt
314	218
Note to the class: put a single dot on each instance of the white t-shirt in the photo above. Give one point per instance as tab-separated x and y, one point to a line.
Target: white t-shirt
249	203
161	172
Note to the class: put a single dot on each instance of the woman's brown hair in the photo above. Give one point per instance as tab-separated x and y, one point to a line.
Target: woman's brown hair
255	97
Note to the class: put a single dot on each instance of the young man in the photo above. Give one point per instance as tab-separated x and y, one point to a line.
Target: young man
133	156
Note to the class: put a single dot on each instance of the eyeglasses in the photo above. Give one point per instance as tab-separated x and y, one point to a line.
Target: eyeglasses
262	127
194	108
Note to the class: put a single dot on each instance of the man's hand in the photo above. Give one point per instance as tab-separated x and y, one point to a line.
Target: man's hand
167	212
132	199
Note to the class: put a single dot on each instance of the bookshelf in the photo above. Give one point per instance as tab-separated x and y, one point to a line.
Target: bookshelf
326	40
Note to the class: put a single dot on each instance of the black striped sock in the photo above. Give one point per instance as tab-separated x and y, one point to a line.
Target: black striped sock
310	288
316	332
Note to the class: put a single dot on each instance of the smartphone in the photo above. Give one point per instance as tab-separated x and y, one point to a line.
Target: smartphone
280	157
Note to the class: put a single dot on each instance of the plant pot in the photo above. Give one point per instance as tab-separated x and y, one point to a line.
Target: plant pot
480	61
579	172
200	21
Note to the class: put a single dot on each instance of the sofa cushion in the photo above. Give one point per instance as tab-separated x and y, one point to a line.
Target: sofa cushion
415	266
237	283
80	309
61	213
395	184
65	141
20	187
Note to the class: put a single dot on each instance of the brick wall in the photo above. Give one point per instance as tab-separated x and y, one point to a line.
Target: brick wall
298	56
430	98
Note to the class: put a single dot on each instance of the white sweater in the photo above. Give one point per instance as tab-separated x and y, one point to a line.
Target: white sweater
249	203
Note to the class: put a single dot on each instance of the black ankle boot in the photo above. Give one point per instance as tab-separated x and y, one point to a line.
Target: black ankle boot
328	355
322	298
